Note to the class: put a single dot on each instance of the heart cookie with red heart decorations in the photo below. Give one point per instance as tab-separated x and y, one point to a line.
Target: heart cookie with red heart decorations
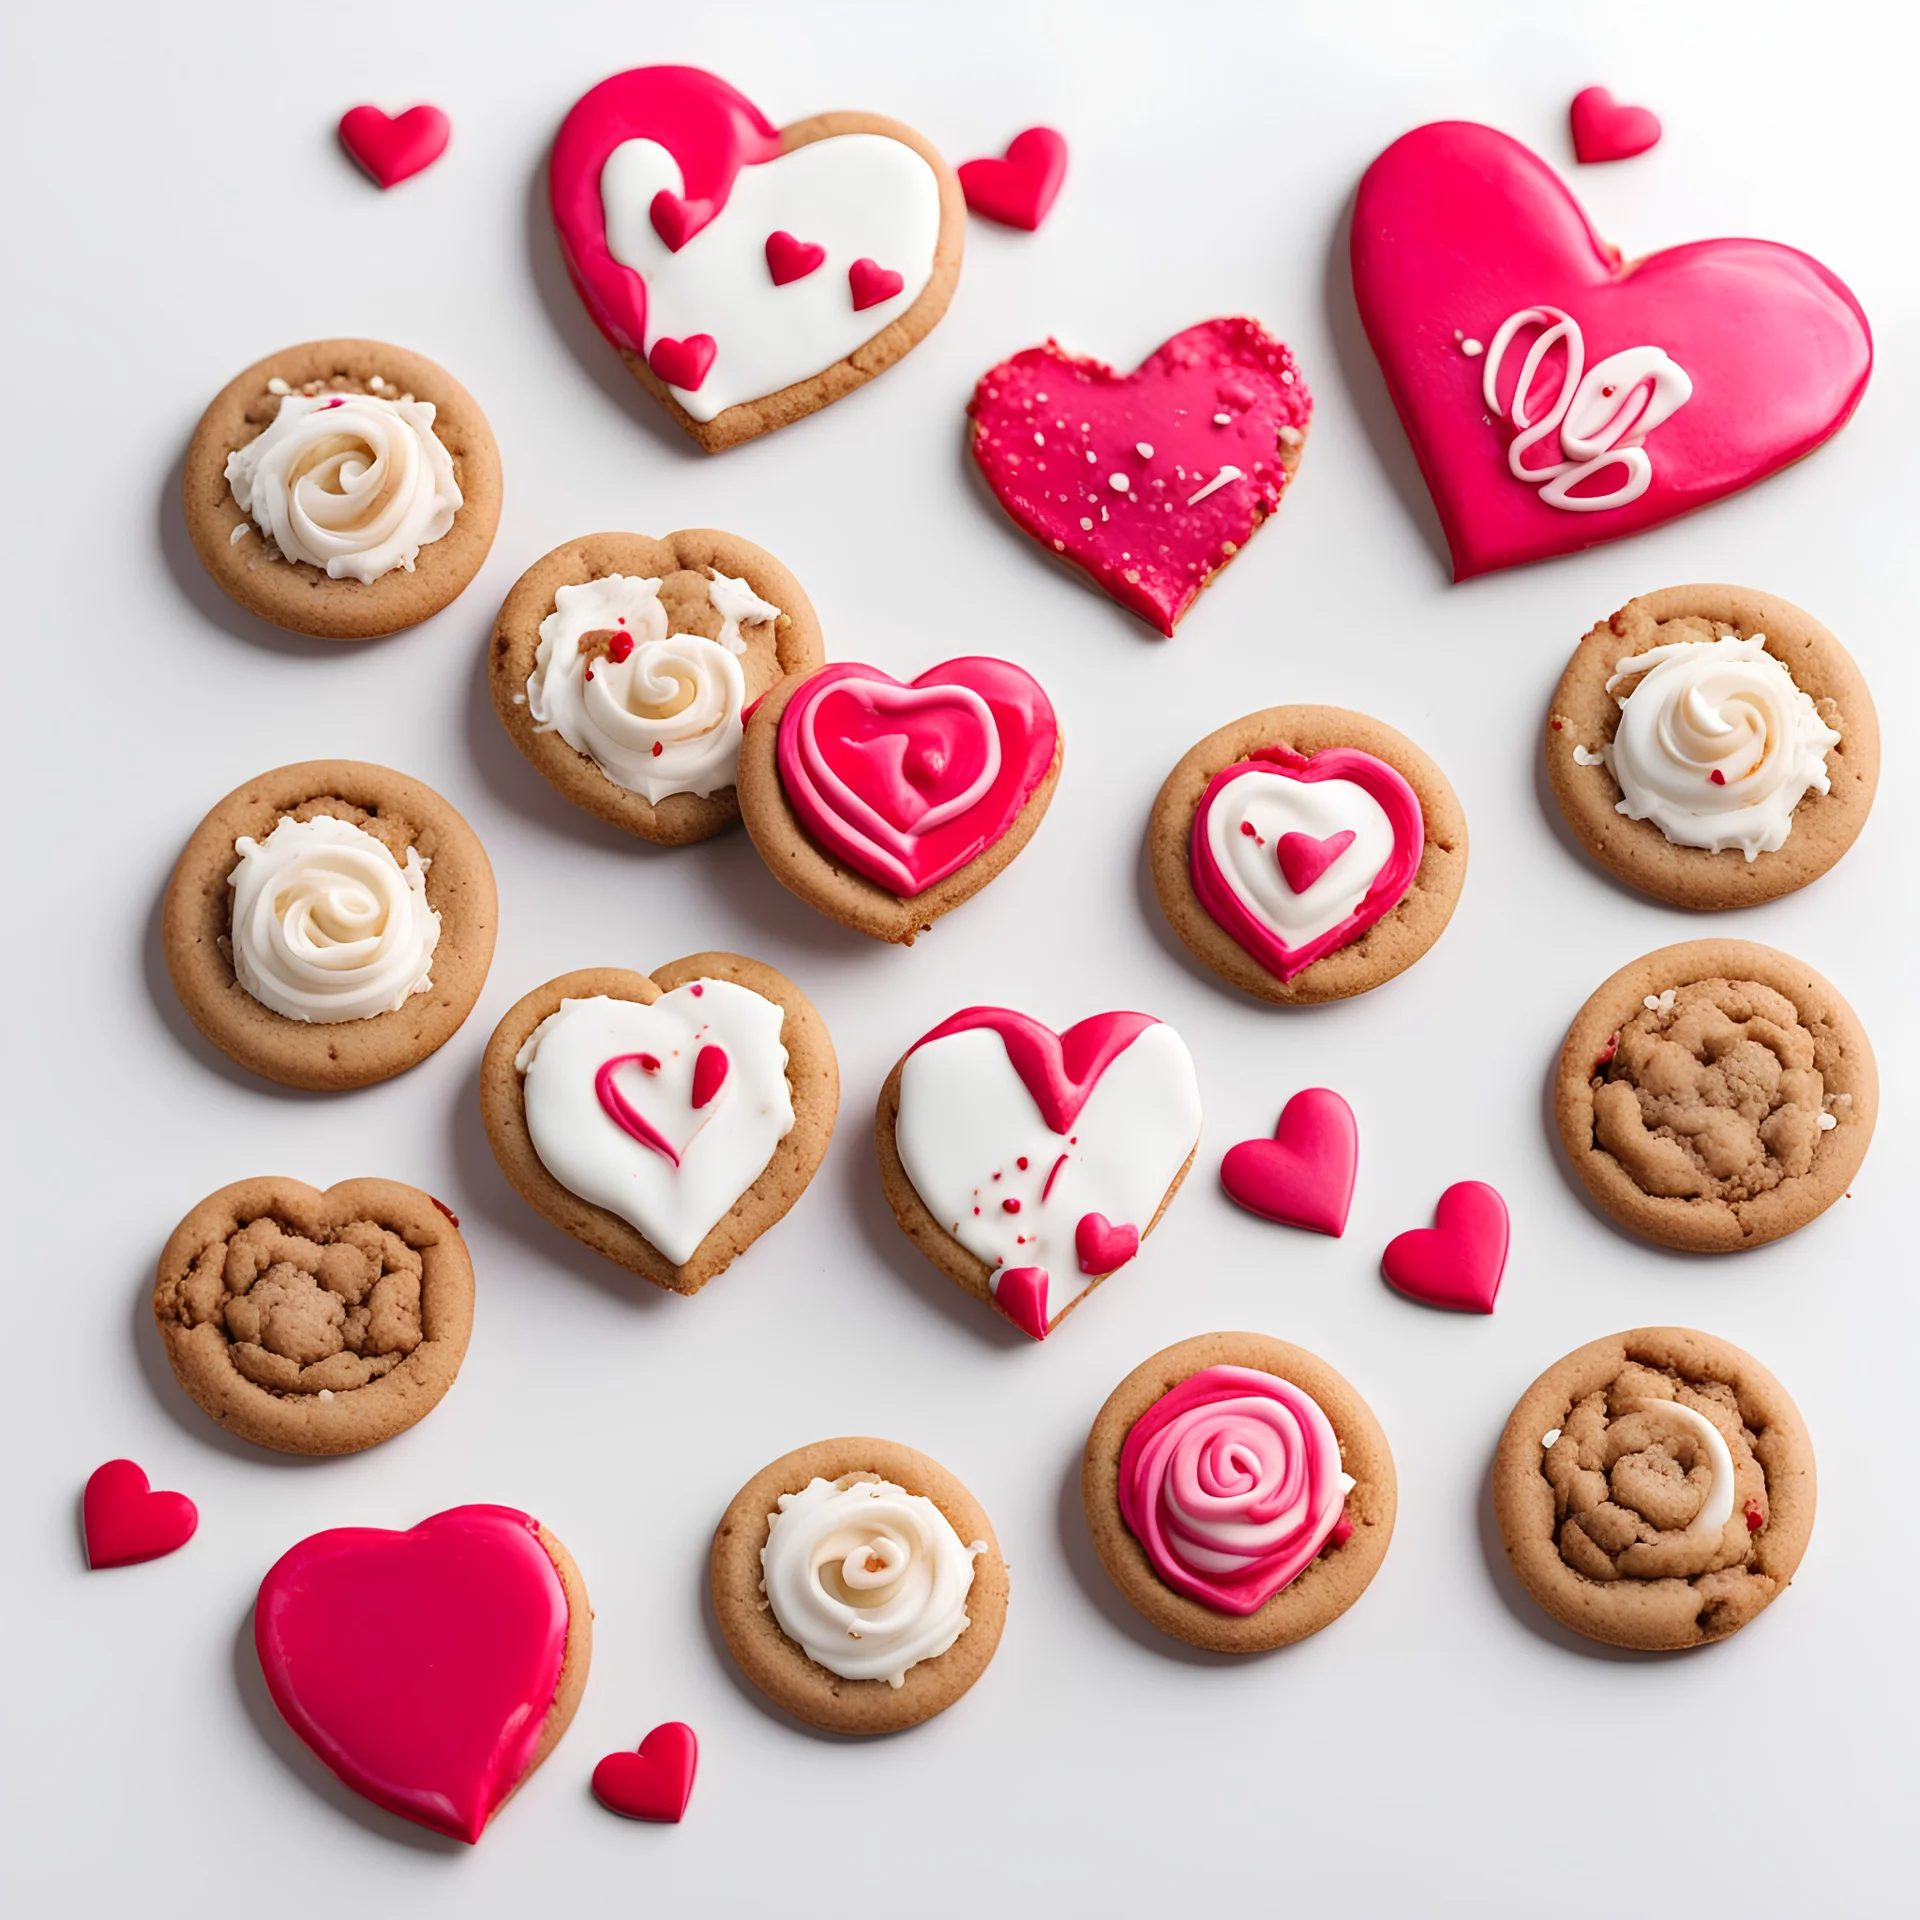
747	273
1027	1165
1307	853
887	803
1149	481
656	1782
667	1120
1557	395
127	1521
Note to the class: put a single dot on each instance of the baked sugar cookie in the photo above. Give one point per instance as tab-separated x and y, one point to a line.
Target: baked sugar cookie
623	668
665	1120
1713	746
884	803
859	1585
1307	853
313	1322
343	488
747	273
1240	1493
1655	1489
1716	1095
330	924
1028	1165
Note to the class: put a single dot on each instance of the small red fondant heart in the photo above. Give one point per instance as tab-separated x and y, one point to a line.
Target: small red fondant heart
676	221
1101	1245
1021	1294
127	1521
682	363
872	283
1019	189
1457	1262
1605	130
789	259
392	148
1303	1176
1303	859
656	1782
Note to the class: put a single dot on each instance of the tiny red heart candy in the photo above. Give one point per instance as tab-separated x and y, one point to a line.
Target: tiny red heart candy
1101	1245
1021	1294
1603	129
1457	1262
675	220
394	147
654	1783
789	259
1303	1176
126	1521
683	363
871	283
1019	189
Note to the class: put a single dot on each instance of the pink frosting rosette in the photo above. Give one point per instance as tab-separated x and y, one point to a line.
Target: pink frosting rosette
1232	1484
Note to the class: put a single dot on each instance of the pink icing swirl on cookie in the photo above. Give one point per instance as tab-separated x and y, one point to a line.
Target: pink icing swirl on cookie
1232	1484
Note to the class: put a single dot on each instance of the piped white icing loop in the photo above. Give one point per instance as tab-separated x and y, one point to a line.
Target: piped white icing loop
1717	1508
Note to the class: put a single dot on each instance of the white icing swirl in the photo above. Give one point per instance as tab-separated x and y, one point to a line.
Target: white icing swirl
327	924
868	1578
664	719
351	482
1716	745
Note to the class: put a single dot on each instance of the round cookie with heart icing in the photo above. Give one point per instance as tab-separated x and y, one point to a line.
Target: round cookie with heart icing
624	667
665	1120
315	1323
859	1585
1655	1489
749	274
430	1671
343	489
1716	1095
1028	1165
1713	746
330	924
886	803
1307	853
1240	1493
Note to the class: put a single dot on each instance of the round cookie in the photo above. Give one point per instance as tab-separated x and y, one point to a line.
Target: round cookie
1307	853
736	653
316	1323
377	502
660	1122
409	826
1715	1095
1726	745
1646	1527
1205	1400
780	1558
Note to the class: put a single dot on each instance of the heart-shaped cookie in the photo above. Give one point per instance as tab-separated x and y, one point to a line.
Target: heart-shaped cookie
1557	396
1458	1261
1303	1176
1027	1164
749	274
654	1783
1149	481
126	1520
1605	129
431	1670
1020	187
667	1121
394	147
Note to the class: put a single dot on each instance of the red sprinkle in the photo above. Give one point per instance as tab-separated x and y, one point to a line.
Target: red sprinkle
619	647
1554	724
1052	1176
648	1064
1718	778
1246	827
1008	1206
1021	1163
589	673
996	1176
447	1210
1613	1047
697	989
657	749
1755	1520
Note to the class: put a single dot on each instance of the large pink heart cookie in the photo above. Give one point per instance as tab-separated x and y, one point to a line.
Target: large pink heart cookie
749	274
1558	396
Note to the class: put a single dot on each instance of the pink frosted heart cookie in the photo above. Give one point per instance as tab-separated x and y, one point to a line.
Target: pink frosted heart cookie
1307	853
1027	1165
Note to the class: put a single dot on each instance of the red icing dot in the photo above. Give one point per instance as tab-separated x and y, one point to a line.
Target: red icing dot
589	673
657	749
647	1063
1021	1163
696	989
1009	1206
619	647
1755	1520
996	1176
1718	778
1246	827
1554	724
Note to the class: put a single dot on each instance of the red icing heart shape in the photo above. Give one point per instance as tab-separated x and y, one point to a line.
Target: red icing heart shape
418	1666
1019	189
1603	129
1458	1261
872	283
1459	231
1101	1245
677	220
1195	432
654	1783
1303	1176
1303	859
1021	1294
392	148
126	1521
682	363
789	259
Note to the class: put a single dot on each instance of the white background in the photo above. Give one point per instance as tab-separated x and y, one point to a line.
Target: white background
179	208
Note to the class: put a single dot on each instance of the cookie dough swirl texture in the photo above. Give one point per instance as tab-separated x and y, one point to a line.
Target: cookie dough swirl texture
351	483
868	1578
327	924
1716	744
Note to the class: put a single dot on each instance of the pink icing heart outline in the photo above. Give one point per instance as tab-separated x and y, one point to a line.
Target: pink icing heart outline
1397	801
1303	1176
1459	1261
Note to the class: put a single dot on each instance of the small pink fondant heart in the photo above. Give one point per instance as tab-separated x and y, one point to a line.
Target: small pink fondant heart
1101	1245
1603	129
789	259
676	221
1303	859
127	1521
872	283
1457	1262
1303	1176
682	363
1018	190
656	1782
392	148
1021	1294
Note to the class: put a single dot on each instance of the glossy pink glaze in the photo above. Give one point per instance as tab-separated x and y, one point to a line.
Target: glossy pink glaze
624	1114
1456	227
1021	1294
1459	1260
1303	1176
1060	1070
1101	1246
1018	189
654	1783
392	148
126	1521
418	1666
1153	546
1603	129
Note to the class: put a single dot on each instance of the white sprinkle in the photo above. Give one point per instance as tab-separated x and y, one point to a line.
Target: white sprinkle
376	383
326	1393
1651	1003
1103	513
1223	419
1547	1439
1143	450
1828	1123
1118	482
277	385
1059	546
1092	457
1040	399
1582	758
1290	436
519	699
1456	333
1086	525
1039	439
239	533
1472	349
1286	379
1214	485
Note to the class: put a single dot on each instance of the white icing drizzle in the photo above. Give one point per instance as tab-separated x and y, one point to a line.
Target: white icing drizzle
1717	1508
1224	477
